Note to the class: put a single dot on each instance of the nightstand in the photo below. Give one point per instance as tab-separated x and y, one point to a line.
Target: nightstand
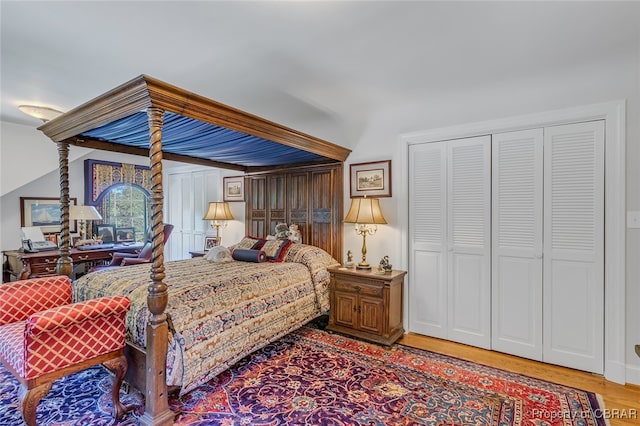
367	305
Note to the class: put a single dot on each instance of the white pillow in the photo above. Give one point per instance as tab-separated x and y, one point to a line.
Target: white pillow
218	254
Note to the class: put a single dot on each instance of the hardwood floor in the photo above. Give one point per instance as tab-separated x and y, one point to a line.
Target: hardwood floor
622	403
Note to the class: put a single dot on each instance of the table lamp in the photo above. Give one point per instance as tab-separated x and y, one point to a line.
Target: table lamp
82	214
366	214
218	213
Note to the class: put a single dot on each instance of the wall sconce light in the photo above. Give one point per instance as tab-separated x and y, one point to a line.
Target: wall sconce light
83	213
218	213
367	215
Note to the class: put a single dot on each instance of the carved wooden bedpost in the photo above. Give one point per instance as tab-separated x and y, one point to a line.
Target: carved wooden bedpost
65	264
156	404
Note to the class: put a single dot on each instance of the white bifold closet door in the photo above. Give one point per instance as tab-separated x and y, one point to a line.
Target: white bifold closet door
573	266
517	243
548	246
450	211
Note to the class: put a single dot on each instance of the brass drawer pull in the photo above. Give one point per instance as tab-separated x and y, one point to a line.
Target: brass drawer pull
85	257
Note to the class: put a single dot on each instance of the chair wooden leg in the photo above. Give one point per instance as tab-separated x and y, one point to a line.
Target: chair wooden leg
29	399
119	367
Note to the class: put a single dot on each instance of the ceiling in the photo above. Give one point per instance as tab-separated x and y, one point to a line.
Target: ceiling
299	63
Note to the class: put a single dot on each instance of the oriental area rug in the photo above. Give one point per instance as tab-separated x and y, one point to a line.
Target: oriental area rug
312	377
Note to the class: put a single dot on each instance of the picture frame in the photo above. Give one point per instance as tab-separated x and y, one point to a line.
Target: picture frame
45	213
125	235
107	232
233	188
210	242
53	238
372	179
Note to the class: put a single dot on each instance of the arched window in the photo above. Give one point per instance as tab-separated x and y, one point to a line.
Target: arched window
120	192
125	206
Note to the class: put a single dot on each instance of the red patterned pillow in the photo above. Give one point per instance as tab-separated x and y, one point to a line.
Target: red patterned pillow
276	249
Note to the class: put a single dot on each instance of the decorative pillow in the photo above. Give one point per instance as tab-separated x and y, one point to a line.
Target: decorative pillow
249	255
276	249
219	254
250	242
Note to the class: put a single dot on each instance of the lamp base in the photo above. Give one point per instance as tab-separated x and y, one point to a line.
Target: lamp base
363	265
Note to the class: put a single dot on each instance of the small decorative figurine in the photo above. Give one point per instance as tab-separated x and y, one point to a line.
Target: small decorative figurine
349	263
385	265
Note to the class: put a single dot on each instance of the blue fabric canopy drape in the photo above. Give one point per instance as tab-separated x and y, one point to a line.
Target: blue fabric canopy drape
187	136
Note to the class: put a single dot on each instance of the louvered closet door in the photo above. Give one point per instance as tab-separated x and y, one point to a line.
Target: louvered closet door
469	241
516	288
428	239
573	267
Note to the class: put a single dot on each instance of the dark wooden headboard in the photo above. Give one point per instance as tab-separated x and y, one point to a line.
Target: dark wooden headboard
311	197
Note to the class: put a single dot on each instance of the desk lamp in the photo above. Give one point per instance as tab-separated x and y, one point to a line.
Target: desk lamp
82	214
218	213
366	214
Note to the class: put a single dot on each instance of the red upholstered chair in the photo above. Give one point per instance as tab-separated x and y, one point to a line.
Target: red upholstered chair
144	256
44	336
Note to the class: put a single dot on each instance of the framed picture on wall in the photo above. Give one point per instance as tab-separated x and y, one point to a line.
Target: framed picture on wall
233	188
370	179
45	213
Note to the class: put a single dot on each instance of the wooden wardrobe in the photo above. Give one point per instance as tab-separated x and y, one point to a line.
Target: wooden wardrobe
310	197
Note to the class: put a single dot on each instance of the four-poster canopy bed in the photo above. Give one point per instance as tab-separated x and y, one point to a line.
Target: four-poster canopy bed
146	116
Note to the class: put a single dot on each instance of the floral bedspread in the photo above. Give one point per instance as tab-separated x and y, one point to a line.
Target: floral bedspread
220	312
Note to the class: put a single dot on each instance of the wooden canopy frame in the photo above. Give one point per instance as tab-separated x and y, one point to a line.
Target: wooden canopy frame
157	97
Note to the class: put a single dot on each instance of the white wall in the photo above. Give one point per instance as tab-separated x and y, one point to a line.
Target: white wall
36	153
618	79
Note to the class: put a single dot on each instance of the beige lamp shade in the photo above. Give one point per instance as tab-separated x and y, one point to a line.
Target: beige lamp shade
365	211
218	211
84	213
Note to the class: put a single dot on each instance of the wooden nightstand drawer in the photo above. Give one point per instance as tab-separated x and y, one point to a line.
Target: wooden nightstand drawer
364	288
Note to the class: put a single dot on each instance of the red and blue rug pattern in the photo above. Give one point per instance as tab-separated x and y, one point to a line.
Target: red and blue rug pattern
312	377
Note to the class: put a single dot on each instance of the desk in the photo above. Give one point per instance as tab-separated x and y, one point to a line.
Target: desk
20	265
